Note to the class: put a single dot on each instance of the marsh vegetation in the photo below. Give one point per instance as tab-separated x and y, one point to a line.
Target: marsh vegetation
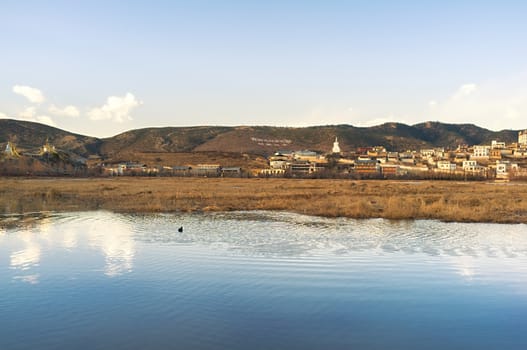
442	200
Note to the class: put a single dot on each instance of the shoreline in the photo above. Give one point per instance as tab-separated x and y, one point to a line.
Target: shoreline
361	199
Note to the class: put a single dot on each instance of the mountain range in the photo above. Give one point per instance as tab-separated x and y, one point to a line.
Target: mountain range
253	140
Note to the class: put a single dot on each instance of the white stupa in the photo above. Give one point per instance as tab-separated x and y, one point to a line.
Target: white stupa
10	150
336	147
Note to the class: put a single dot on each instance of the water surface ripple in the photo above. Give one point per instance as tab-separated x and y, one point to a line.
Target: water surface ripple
259	280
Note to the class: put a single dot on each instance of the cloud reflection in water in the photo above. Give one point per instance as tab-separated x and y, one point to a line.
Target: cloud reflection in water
472	250
113	237
105	233
26	259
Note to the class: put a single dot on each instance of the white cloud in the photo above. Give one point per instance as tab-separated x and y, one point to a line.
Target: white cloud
379	121
3	116
44	119
465	90
497	104
116	109
68	111
33	95
30	114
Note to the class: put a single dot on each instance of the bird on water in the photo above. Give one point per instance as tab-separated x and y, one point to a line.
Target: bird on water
180	229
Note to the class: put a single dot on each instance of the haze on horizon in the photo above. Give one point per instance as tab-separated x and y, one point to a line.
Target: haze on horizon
102	67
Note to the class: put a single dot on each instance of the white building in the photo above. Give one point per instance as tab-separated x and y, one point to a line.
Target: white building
497	145
278	161
426	153
481	151
504	168
522	137
445	165
471	166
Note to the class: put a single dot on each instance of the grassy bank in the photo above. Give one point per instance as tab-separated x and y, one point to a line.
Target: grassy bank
449	201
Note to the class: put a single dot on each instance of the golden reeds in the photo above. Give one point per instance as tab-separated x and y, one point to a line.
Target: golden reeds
449	201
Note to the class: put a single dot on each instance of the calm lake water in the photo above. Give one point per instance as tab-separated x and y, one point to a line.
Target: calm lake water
259	280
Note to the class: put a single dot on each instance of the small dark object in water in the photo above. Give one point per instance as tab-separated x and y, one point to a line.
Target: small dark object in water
180	229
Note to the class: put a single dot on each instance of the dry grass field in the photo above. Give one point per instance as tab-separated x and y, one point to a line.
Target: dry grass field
442	200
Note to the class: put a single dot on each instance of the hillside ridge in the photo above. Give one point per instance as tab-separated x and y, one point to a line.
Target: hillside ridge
260	140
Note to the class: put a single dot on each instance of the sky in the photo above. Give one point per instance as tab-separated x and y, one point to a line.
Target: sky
103	67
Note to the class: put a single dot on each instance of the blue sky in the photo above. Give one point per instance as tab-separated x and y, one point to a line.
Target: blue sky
103	67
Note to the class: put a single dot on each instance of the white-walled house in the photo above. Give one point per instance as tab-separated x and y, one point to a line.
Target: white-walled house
522	138
429	152
504	168
481	151
497	145
445	165
470	165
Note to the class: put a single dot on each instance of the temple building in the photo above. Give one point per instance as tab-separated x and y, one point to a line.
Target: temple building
47	148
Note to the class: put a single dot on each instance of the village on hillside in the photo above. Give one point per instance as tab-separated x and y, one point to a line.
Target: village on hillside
496	160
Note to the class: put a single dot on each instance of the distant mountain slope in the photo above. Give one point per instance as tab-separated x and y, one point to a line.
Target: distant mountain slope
168	139
30	136
451	134
262	140
393	136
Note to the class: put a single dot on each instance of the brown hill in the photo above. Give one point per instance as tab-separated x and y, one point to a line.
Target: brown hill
160	139
29	136
248	141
